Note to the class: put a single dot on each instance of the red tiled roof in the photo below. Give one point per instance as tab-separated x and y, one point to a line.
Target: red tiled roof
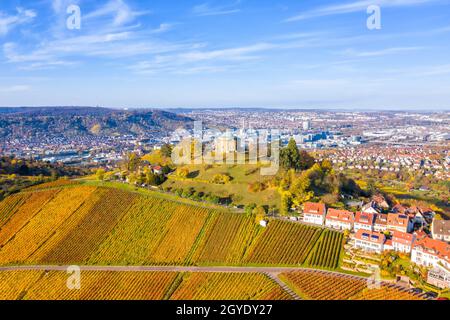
364	218
370	236
340	215
398	220
399	208
314	208
381	219
402	237
434	247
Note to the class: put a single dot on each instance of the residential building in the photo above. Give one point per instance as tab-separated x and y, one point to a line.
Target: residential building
399	222
157	170
339	219
429	252
439	277
380	224
370	207
388	245
380	202
440	230
314	213
402	242
370	241
364	221
399	208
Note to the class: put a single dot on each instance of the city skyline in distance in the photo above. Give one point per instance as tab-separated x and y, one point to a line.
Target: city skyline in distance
198	54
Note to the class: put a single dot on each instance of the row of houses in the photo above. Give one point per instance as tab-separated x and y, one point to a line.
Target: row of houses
370	235
317	213
424	251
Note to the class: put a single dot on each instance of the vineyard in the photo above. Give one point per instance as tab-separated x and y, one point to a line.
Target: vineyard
89	225
284	243
42	226
385	293
135	285
327	251
53	184
225	286
317	285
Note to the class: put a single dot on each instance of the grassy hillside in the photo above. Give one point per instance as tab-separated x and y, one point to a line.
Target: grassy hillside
200	177
88	224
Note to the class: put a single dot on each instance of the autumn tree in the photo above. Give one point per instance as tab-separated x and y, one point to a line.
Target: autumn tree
166	150
182	172
100	174
260	213
290	156
286	203
306	161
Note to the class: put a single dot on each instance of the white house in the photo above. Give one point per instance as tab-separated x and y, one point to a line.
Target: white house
440	229
380	224
314	213
399	222
339	219
429	252
439	277
364	221
370	241
370	207
402	242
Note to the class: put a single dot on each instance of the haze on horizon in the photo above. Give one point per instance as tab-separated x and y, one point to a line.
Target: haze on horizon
244	53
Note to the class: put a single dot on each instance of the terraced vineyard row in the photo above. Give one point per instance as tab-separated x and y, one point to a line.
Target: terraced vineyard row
105	226
23	214
43	225
327	251
317	285
284	243
54	184
126	285
224	286
9	205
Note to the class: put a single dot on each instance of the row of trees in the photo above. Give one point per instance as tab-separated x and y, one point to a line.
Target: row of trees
30	167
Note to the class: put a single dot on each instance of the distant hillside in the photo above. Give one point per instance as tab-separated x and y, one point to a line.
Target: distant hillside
93	225
16	123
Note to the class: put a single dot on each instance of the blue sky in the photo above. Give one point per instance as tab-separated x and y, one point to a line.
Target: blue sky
249	53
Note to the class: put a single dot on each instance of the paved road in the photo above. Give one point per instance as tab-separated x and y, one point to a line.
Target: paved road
270	270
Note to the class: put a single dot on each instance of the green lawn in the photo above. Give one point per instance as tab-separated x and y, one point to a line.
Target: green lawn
199	178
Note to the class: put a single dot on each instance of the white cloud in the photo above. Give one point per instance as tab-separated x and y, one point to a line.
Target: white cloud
68	51
22	16
382	52
118	10
205	9
15	88
163	27
199	61
240	53
349	7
